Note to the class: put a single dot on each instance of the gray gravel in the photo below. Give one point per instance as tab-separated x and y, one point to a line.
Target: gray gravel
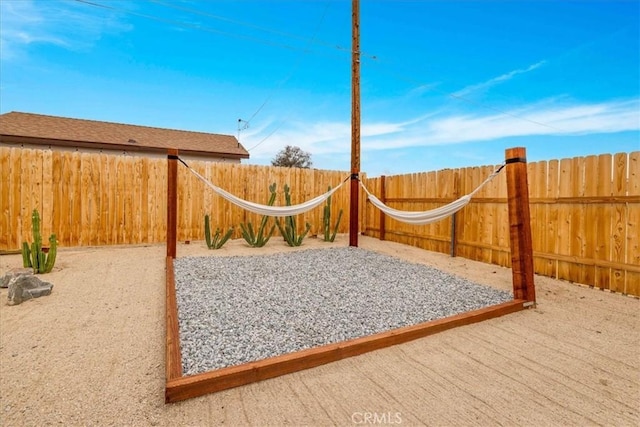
234	310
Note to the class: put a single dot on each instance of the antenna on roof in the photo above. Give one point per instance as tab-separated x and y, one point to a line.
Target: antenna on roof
242	125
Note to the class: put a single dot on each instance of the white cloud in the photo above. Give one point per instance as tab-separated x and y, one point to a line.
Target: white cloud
68	25
496	80
544	118
418	91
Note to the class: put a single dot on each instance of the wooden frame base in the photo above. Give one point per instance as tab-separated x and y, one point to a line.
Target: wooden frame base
180	387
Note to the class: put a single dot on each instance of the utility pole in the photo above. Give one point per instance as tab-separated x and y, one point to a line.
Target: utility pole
355	123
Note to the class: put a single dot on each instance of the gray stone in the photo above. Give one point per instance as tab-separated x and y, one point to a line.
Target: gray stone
24	287
13	273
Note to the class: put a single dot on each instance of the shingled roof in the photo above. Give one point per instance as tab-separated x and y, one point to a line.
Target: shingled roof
16	127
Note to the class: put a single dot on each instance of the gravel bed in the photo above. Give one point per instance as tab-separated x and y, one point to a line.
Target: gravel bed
238	309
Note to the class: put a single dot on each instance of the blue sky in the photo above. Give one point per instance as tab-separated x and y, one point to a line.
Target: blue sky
444	83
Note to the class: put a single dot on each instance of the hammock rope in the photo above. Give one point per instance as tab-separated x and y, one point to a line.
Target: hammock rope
266	209
433	215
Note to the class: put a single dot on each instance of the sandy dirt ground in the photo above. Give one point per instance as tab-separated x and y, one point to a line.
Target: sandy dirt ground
92	353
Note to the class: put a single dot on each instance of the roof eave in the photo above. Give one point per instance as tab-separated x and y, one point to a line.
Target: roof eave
14	139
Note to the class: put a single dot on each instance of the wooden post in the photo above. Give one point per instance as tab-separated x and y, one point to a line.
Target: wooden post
520	224
172	202
173	361
383	199
355	124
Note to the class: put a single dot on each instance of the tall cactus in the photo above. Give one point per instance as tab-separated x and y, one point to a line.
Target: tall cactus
218	239
326	221
289	230
33	256
36	247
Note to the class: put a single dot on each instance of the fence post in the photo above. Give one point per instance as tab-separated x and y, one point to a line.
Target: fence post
454	223
452	249
383	199
520	224
172	201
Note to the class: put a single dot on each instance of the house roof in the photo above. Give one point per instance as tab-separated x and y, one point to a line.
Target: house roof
17	127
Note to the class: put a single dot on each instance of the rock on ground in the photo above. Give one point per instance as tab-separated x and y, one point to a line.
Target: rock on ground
24	286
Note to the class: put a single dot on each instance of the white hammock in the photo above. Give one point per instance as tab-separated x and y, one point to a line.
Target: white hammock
417	218
427	217
266	209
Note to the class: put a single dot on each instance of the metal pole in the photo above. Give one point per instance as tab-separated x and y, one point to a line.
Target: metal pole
453	235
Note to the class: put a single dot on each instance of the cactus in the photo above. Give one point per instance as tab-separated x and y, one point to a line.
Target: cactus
259	239
26	255
33	256
326	221
218	239
289	231
51	256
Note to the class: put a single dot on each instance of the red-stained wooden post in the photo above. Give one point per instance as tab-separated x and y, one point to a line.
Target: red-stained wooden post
520	224
383	199
172	202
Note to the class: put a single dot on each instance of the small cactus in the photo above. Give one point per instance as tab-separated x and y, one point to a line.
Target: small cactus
51	256
259	238
289	231
218	239
326	221
26	255
33	256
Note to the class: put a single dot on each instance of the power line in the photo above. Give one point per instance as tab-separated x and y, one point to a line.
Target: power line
290	47
295	67
268	136
186	25
182	24
258	27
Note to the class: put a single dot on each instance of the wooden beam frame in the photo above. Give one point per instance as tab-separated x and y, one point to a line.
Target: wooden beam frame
179	387
172	202
520	224
173	368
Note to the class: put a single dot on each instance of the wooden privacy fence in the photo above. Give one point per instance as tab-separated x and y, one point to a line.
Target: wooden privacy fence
585	217
106	199
585	211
